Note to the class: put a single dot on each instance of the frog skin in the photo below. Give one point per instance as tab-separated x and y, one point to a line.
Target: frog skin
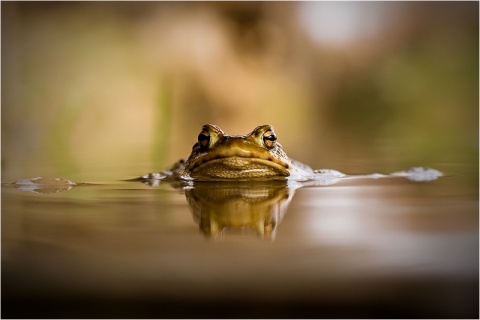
257	155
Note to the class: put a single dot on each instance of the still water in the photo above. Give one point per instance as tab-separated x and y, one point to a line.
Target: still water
359	248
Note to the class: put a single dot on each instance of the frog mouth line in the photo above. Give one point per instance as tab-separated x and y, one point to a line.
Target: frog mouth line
242	164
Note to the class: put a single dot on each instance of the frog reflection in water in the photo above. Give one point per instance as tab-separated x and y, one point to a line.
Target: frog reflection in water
247	206
219	156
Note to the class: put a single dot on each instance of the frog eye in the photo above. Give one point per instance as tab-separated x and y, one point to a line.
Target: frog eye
269	139
204	139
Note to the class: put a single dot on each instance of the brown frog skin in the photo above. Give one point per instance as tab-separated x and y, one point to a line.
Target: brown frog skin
219	156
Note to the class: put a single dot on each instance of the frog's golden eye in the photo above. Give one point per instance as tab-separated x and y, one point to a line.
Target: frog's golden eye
269	139
204	139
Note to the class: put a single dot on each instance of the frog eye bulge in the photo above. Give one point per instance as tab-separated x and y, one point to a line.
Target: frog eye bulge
269	139
204	139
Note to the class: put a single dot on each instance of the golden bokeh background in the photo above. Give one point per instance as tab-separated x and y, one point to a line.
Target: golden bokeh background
110	90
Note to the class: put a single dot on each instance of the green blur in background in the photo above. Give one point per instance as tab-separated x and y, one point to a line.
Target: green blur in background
93	91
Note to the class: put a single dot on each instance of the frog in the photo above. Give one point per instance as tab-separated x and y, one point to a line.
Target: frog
219	156
216	156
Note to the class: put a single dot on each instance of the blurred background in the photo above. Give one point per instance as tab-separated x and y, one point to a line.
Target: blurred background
93	91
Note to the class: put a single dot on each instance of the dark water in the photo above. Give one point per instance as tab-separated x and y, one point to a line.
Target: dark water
357	248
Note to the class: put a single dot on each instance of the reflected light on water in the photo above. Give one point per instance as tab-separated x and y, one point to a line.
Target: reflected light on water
340	221
384	227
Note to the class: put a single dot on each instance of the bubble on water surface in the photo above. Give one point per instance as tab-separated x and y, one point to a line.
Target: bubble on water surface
44	185
419	174
325	177
155	176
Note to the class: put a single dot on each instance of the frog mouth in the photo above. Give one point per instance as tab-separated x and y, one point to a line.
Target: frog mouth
238	167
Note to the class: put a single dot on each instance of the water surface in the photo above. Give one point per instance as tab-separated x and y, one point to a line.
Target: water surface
357	248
